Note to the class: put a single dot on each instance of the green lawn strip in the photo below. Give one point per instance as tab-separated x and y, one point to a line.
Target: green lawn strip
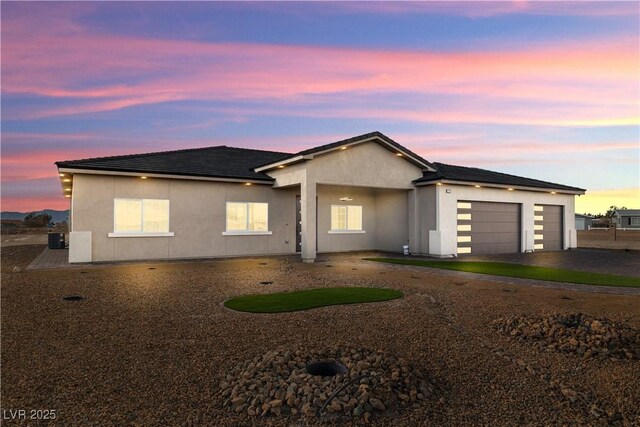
311	298
522	271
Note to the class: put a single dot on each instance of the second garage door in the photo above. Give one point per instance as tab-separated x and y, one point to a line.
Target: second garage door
488	228
548	228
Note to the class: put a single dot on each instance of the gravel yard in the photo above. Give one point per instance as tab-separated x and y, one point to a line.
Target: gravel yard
152	342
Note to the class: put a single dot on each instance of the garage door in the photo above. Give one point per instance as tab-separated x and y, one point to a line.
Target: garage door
548	228
488	228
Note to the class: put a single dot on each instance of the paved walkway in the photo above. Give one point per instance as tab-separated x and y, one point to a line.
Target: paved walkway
50	258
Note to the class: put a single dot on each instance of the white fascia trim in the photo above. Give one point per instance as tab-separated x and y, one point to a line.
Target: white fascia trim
247	233
346	232
169	234
285	162
486	185
160	175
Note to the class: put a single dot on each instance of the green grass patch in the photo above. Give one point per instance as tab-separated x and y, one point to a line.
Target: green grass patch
522	271
311	298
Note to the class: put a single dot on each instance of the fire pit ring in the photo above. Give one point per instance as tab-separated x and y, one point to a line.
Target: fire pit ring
326	369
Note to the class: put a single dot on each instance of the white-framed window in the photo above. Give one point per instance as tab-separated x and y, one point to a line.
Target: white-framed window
346	219
140	218
247	218
634	220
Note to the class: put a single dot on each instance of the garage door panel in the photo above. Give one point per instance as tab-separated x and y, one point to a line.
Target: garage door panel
493	217
487	238
553	227
492	228
494	207
488	227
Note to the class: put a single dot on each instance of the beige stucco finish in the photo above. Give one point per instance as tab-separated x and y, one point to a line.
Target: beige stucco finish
363	170
197	218
395	212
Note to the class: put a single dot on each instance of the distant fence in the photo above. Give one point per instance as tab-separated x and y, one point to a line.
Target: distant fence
8	229
610	234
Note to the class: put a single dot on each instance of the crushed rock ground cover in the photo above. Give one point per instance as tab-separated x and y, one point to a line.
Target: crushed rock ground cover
152	344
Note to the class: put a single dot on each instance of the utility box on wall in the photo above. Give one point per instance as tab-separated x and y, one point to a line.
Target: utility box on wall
80	246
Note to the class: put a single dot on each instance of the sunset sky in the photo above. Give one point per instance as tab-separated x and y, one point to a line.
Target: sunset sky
545	90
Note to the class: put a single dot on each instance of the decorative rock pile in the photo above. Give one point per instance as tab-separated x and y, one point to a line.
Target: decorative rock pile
574	333
277	383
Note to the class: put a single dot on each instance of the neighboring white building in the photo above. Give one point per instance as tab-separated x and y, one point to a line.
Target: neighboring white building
362	193
583	222
627	218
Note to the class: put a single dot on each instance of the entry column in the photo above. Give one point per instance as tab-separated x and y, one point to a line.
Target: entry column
309	221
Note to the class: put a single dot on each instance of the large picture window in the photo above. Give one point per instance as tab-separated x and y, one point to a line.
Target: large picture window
346	218
140	217
247	218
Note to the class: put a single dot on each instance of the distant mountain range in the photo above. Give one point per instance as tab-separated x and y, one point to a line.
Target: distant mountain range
56	216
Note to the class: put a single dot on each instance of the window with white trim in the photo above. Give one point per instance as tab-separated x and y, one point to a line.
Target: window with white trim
139	216
346	218
246	217
634	220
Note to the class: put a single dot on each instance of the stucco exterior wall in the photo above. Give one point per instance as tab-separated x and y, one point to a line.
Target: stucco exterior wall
365	165
330	195
384	219
427	219
197	218
443	239
392	220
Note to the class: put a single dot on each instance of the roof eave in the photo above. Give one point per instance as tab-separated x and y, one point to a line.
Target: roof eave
138	173
577	191
285	162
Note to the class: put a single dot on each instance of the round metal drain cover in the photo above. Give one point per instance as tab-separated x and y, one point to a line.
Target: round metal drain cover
326	369
266	283
74	298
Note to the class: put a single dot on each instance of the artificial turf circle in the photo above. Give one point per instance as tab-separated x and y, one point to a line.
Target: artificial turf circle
522	271
310	298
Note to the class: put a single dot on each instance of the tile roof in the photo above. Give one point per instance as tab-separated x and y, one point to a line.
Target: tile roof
215	162
471	175
239	163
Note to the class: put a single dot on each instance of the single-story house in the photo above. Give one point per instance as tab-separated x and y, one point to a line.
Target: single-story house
626	218
583	222
362	193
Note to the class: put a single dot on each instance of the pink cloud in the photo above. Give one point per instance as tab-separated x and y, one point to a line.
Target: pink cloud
74	65
28	203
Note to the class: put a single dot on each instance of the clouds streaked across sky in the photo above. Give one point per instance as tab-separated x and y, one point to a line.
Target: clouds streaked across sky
545	90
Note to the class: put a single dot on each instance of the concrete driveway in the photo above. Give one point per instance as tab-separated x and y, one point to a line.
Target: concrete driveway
626	263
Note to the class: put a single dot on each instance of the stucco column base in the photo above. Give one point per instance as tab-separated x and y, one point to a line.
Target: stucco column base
442	243
309	260
308	206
